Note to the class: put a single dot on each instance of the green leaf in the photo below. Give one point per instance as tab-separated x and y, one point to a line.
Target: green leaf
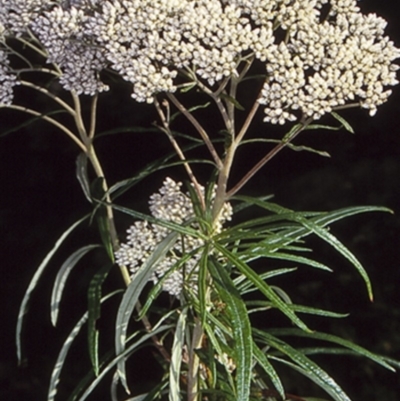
325	382
321	232
304	365
301	148
190	110
314	399
322	126
154	394
339	247
292	258
94	310
176	358
202	283
187	87
62	355
55	375
334	339
82	175
182	229
62	277
296	148
262	286
241	328
35	279
299	309
122	357
342	121
246	286
263	361
232	100
131	297
101	214
157	288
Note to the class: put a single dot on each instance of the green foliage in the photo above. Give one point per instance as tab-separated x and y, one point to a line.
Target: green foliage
235	358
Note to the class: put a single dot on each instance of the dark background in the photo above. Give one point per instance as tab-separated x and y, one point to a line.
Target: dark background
40	197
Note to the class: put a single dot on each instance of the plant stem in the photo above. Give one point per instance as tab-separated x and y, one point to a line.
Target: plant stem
51	121
194	362
45	91
267	158
165	128
199	129
221	194
91	154
247	123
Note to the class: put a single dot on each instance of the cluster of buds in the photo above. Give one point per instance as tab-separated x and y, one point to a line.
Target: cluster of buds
169	204
318	54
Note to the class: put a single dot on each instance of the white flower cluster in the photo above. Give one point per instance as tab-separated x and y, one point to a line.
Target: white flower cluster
318	54
17	15
7	80
343	59
168	204
61	33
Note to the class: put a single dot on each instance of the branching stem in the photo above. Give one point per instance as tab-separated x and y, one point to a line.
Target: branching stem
267	158
91	154
199	129
45	91
166	129
52	121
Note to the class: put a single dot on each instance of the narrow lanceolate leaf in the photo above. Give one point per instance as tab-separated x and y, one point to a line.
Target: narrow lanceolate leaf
131	297
326	382
243	285
318	230
263	361
305	365
61	279
55	375
25	301
83	176
276	301
121	357
154	394
338	246
202	284
294	258
94	307
179	228
343	121
176	358
337	340
241	328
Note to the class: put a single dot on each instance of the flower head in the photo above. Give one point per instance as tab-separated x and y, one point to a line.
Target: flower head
61	33
318	54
